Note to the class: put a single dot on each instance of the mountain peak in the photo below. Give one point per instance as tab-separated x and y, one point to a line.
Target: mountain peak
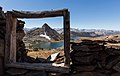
47	32
45	25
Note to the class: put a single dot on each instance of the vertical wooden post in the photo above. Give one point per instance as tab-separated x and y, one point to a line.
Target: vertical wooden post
2	48
13	41
7	37
67	37
10	48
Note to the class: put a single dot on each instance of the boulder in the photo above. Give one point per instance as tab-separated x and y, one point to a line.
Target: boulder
53	57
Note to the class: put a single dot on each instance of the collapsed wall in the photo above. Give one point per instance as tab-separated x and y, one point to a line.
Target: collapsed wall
20	34
95	58
21	51
20	46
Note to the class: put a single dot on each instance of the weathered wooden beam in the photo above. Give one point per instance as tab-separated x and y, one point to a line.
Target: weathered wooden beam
67	37
13	41
10	48
8	37
43	14
40	66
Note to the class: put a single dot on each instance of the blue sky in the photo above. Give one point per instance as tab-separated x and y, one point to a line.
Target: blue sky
84	14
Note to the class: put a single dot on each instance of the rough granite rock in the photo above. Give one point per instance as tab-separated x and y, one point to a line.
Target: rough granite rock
53	35
90	56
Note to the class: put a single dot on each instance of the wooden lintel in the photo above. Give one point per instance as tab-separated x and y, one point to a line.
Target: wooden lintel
43	14
39	66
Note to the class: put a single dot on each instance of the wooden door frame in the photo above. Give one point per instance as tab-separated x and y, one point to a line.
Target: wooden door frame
11	22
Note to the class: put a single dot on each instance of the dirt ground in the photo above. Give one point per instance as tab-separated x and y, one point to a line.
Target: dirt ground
44	53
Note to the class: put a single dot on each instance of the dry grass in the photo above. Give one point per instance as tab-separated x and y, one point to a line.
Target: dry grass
43	53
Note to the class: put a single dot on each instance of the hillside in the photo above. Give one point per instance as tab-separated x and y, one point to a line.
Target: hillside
45	33
57	33
88	32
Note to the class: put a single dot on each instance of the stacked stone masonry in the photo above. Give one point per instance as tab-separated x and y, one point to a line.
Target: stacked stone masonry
95	56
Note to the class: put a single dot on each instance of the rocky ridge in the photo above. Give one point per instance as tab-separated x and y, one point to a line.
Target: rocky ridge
44	34
76	32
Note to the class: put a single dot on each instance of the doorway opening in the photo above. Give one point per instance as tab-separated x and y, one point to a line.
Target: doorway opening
10	51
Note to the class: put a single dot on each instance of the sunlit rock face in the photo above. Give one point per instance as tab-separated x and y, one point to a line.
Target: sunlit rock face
45	34
54	35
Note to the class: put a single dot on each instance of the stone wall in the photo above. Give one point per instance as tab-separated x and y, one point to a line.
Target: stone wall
96	58
21	51
2	40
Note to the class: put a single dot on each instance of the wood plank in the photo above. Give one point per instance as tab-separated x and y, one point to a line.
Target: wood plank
10	50
16	71
67	37
13	41
40	66
38	14
8	37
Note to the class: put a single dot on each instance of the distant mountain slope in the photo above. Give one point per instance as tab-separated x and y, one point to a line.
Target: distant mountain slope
75	32
82	34
46	32
88	32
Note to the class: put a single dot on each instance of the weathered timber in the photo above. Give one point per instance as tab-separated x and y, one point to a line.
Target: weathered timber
15	71
67	37
10	50
8	37
39	14
39	66
13	41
